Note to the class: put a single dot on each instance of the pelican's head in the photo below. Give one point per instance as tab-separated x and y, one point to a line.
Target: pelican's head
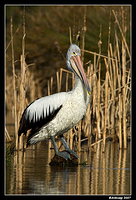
74	64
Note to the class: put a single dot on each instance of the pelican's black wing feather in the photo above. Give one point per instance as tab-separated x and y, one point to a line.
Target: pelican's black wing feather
40	112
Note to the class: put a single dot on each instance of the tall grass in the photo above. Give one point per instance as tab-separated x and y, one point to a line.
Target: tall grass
109	108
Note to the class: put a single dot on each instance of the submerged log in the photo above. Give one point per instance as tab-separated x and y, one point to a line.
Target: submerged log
59	161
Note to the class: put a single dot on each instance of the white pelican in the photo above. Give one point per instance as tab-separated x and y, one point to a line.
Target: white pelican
54	115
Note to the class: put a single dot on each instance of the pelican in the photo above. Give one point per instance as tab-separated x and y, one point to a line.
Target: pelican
54	115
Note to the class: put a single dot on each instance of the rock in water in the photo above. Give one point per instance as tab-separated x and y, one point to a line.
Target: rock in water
57	160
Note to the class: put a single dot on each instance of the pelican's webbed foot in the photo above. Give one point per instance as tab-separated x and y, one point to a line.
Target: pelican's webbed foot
67	147
72	152
63	154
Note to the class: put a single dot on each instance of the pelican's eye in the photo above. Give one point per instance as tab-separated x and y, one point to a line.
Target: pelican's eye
74	53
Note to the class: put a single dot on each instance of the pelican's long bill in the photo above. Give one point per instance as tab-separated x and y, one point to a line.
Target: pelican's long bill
78	68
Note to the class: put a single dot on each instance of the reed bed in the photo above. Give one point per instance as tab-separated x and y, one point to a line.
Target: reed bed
109	111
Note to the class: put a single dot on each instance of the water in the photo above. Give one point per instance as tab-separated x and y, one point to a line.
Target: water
29	172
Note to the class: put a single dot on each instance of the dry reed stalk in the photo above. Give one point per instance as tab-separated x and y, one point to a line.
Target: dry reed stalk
123	83
107	90
118	68
65	70
67	138
51	84
59	49
59	79
91	76
94	85
22	97
114	71
98	122
66	82
7	134
110	116
102	119
48	88
106	93
70	35
71	138
58	82
5	84
127	89
122	34
98	100
89	72
97	54
23	80
79	136
14	87
113	92
98	141
130	108
102	92
61	69
120	109
73	80
94	93
109	104
12	38
120	88
110	74
83	36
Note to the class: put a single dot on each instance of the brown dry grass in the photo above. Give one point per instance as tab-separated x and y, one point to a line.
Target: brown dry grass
110	106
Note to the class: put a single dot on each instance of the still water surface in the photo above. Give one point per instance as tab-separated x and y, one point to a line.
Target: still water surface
104	173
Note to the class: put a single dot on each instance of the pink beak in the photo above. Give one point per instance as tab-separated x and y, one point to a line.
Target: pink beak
80	72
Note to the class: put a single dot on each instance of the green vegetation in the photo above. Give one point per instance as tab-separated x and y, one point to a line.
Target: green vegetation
47	24
83	163
9	152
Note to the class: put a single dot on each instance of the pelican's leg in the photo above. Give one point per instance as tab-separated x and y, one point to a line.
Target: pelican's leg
67	147
62	154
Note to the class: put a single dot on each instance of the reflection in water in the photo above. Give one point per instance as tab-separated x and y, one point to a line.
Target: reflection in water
104	173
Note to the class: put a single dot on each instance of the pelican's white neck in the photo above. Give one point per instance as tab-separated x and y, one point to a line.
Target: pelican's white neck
81	90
